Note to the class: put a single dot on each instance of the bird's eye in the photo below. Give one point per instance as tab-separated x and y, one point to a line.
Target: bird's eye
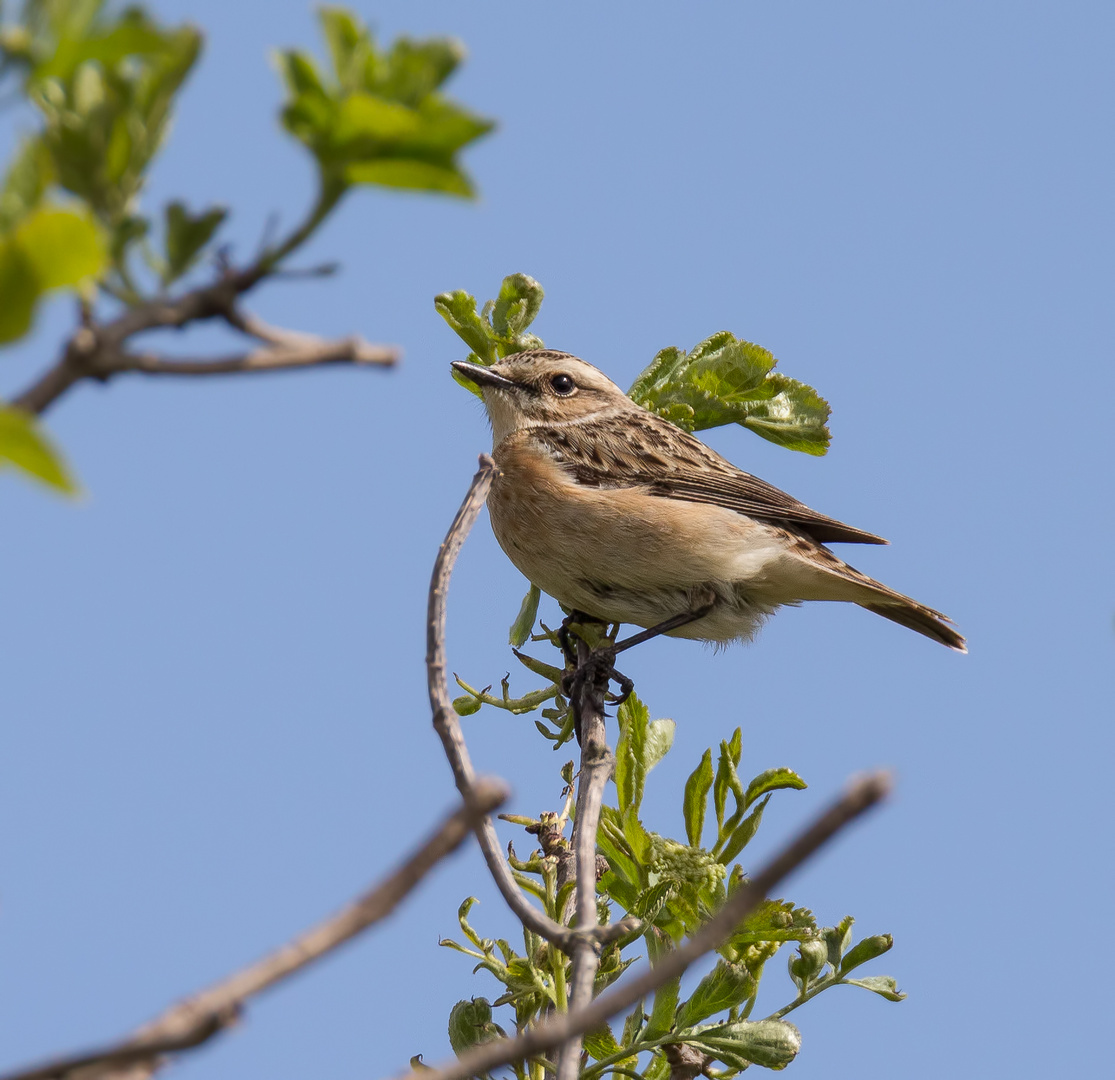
563	384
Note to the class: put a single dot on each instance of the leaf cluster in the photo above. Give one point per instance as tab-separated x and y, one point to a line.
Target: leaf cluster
378	116
722	380
673	887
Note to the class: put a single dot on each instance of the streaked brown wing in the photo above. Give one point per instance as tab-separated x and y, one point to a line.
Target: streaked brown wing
647	451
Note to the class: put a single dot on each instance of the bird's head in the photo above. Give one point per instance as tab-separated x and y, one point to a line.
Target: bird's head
542	387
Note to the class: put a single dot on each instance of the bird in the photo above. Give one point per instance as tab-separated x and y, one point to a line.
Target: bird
622	516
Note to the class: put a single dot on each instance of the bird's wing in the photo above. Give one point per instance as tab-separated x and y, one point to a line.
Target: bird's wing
646	451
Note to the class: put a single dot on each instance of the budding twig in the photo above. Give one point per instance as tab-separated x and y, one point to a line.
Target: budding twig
197	1019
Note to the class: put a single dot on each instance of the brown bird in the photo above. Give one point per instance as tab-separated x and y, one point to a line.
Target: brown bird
620	515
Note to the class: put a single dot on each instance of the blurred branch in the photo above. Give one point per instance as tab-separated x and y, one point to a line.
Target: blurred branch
197	1019
561	1027
96	350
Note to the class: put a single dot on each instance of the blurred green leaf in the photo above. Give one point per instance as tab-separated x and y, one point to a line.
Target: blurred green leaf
49	249
724	380
28	177
186	236
772	780
524	621
24	445
883	985
695	800
380	119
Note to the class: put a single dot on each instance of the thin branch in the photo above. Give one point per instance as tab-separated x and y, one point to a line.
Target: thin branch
197	1019
96	350
448	725
561	1027
597	763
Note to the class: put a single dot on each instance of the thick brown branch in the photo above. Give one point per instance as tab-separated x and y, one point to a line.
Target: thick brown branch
561	1027
197	1019
448	725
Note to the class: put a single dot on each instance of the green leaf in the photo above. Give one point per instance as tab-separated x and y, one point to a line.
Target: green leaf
660	737
743	832
411	176
520	298
524	621
458	309
470	1024
24	445
350	46
695	800
601	1043
770	1043
28	177
661	1020
772	780
631	753
186	236
839	938
883	985
48	249
724	380
725	987
134	34
865	950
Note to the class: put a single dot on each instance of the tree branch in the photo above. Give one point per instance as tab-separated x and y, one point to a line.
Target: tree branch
197	1019
96	350
597	764
561	1027
448	725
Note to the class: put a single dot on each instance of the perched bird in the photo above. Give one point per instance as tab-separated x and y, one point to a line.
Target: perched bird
621	515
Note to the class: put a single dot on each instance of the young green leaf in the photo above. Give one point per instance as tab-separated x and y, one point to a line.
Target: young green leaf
770	1043
724	380
470	1024
25	446
883	985
865	950
186	236
725	987
660	737
458	309
631	766
695	800
520	298
772	780
743	832
524	621
661	1021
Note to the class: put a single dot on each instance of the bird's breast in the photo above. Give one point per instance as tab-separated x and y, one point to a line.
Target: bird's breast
569	537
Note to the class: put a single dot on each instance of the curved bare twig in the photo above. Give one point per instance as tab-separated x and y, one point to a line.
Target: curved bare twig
447	723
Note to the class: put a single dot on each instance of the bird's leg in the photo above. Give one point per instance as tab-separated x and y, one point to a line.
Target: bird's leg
565	639
664	627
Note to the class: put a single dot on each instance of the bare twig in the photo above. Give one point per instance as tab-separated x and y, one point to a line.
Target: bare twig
561	1027
447	723
197	1019
597	763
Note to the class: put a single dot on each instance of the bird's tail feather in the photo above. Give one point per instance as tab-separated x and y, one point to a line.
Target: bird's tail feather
922	619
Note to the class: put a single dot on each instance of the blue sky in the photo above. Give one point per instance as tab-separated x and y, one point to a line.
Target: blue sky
215	728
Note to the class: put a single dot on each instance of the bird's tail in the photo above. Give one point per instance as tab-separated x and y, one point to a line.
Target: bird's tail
932	624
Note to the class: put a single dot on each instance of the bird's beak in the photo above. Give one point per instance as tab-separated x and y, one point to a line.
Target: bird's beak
483	376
